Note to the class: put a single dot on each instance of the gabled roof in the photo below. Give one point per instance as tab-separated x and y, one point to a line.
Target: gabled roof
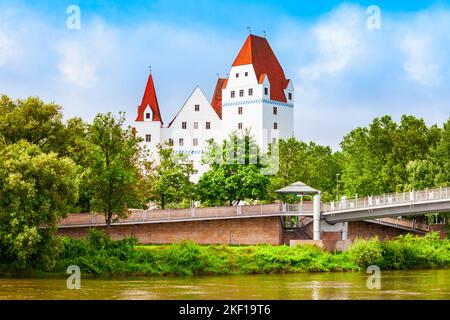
196	89
216	101
149	99
257	51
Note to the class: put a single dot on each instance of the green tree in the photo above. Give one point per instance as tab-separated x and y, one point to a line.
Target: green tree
310	163
36	190
375	159
168	182
235	172
114	163
32	120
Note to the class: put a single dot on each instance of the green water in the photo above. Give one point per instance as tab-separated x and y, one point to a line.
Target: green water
418	284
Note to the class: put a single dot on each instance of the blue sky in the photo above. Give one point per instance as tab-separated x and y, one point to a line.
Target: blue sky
344	73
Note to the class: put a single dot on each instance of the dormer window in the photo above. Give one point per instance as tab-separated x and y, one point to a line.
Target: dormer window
290	96
148	115
237	75
197	107
246	73
266	91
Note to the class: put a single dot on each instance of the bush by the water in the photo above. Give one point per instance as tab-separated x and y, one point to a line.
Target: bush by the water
98	254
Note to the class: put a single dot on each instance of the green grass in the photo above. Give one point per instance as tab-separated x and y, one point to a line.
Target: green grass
99	255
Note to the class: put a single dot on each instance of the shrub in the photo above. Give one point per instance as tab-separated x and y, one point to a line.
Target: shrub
366	252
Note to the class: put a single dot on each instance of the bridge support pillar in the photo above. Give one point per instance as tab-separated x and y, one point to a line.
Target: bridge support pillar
316	217
345	231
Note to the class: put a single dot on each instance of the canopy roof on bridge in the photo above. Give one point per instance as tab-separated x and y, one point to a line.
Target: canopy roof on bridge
298	188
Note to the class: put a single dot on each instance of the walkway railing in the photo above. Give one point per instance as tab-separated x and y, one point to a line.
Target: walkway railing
388	199
174	215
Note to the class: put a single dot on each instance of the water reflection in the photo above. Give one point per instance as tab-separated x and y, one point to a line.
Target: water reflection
422	284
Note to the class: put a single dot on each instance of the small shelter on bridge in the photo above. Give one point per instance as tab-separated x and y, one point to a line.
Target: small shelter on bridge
298	189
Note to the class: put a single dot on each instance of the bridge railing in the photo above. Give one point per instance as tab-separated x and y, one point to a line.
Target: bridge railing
388	199
142	216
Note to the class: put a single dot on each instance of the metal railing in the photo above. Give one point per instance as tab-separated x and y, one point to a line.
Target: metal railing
174	215
388	199
406	224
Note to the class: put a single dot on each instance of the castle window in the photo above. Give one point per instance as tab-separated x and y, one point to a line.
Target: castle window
241	93
170	142
290	96
195	142
239	110
250	92
274	140
246	73
147	115
266	91
208	125
240	126
237	75
195	125
232	93
275	110
197	107
181	142
183	125
148	138
275	125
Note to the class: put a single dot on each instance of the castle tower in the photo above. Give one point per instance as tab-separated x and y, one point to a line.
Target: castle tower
257	95
148	123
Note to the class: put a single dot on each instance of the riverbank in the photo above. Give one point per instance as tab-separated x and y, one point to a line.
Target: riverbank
99	255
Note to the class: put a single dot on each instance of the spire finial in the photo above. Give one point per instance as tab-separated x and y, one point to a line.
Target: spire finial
218	75
150	69
249	30
264	33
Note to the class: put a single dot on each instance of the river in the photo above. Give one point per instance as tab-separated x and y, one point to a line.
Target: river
417	284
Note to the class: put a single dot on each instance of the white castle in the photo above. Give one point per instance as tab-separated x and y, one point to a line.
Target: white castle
256	96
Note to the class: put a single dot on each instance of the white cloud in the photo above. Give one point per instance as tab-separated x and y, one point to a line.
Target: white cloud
83	52
8	49
338	42
420	62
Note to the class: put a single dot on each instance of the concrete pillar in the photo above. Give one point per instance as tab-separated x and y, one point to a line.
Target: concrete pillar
345	231
316	217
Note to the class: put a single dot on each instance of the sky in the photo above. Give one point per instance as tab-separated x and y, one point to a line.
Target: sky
344	72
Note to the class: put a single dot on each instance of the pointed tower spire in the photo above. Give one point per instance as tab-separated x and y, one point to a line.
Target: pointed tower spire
149	99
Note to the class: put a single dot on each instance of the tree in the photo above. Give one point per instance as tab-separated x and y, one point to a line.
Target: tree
310	163
31	120
235	172
375	159
113	171
168	182
36	190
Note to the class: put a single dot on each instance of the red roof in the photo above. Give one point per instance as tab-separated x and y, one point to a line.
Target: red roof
257	51
149	99
216	101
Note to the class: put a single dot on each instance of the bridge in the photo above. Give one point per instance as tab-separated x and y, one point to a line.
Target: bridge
333	215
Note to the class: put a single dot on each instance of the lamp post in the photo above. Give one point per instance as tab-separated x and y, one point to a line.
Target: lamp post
337	186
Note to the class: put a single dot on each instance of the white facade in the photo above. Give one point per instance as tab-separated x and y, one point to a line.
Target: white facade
246	103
